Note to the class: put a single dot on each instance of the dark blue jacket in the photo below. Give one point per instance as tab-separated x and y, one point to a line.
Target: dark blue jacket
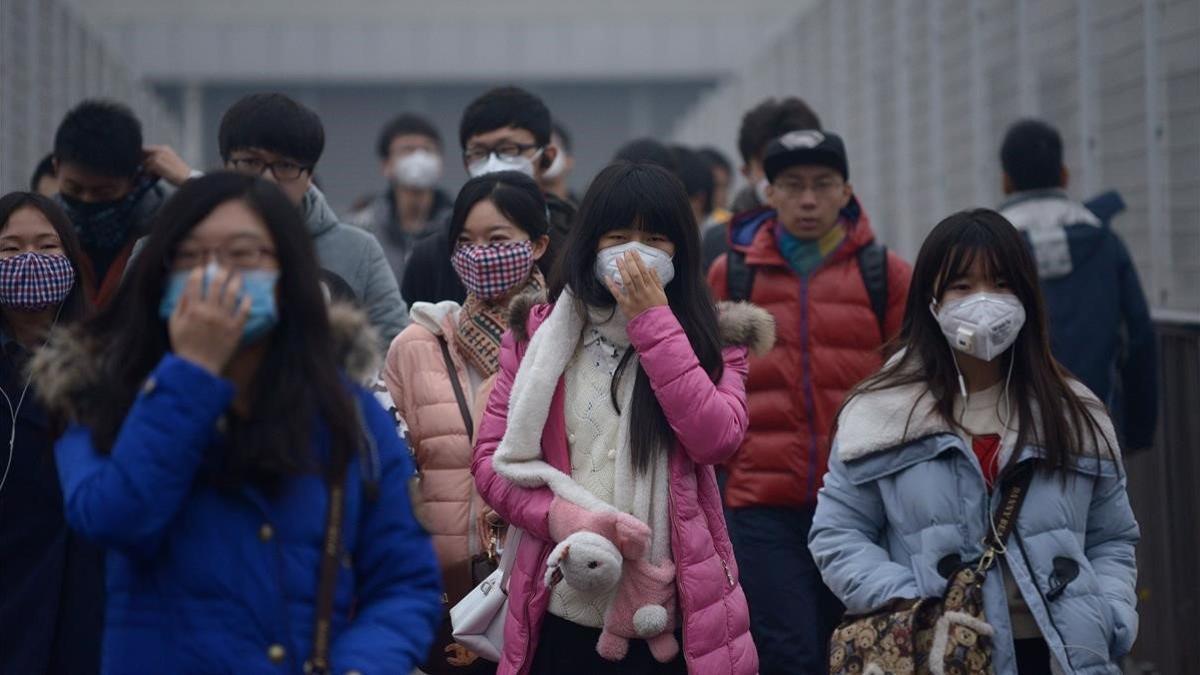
205	580
51	579
1100	326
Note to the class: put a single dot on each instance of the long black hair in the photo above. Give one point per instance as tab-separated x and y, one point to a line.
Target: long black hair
1038	380
646	197
298	380
515	195
75	306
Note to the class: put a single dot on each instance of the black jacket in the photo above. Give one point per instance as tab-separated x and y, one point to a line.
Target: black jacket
51	580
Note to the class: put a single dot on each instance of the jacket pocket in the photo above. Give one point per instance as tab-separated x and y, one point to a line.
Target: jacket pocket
1065	570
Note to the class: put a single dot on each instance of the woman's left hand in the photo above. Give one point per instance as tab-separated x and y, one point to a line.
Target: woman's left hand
642	287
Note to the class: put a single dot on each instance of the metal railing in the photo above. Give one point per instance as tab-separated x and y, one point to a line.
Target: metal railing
1164	489
50	60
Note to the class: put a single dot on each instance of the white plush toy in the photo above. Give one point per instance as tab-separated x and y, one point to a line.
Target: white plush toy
593	565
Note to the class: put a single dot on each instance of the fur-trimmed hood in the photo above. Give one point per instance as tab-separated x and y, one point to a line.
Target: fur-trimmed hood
887	419
741	323
70	367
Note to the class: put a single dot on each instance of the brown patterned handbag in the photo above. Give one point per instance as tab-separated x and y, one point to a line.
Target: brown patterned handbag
936	636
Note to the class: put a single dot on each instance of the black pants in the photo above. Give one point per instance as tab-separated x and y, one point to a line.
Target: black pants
792	613
1033	656
565	647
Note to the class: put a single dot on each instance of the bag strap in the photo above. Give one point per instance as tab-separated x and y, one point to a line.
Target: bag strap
318	661
463	408
509	556
1005	519
739	276
872	265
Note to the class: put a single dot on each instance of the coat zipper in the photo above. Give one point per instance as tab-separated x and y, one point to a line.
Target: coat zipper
806	380
728	574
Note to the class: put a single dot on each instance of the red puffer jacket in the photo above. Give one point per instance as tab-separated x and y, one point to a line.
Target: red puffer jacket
828	340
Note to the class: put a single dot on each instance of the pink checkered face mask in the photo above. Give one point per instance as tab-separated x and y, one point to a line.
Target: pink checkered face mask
493	271
32	281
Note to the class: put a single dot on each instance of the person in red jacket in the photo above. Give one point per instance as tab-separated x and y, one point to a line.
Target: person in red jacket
810	259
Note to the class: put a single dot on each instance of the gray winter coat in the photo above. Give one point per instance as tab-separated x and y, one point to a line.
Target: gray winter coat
356	257
902	494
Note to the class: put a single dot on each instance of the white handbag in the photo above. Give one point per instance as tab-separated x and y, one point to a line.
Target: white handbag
477	621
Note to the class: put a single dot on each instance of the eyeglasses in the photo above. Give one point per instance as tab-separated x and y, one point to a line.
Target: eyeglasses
820	188
503	150
282	170
239	254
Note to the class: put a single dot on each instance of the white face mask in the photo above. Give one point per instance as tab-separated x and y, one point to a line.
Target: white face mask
606	262
983	325
419	169
494	163
760	191
557	167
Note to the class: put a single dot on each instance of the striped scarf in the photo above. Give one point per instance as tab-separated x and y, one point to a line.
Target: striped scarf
806	255
481	324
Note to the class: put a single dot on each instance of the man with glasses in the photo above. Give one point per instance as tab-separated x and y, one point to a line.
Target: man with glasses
810	258
505	129
272	136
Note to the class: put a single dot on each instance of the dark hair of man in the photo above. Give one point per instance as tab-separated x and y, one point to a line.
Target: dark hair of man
44	168
695	174
514	195
502	108
406	124
275	123
564	136
75	307
298	380
649	151
649	198
771	119
1038	383
103	137
716	159
1032	156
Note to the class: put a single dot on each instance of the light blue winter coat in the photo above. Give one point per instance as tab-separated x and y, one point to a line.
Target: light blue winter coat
905	492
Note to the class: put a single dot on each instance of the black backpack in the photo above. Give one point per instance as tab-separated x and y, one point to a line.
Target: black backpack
872	264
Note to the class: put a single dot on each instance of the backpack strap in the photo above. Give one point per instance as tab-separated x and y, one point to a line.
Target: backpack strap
872	265
739	276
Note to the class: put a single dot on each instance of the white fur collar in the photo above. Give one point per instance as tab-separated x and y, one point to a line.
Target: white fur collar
887	419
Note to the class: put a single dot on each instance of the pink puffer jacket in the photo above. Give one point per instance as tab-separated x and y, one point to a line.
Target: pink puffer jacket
709	422
417	378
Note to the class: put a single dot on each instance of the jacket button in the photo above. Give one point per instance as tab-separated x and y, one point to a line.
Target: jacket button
150	385
266	532
276	653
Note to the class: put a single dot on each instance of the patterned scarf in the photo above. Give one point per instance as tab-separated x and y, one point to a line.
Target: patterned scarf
481	325
806	255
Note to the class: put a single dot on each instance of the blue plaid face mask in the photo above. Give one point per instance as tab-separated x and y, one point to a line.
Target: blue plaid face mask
32	282
258	285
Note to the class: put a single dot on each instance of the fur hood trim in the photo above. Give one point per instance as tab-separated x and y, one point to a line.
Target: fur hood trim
741	323
70	367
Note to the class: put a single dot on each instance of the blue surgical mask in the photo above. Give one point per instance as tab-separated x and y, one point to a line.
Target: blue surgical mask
258	285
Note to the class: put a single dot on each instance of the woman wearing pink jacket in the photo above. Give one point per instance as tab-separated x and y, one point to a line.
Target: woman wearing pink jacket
609	410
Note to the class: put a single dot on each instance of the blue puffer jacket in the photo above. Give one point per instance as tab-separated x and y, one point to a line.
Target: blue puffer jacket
1100	325
902	494
203	580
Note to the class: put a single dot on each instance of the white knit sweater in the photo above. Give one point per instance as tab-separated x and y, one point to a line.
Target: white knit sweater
592	428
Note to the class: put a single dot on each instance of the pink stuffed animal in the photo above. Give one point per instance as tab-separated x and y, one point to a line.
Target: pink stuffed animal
644	608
